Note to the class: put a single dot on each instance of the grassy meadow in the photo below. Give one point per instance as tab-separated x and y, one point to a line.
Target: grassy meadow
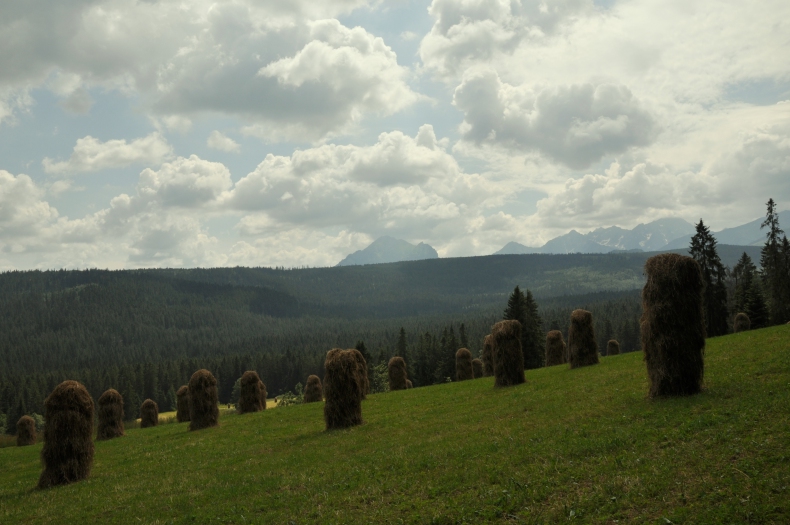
583	446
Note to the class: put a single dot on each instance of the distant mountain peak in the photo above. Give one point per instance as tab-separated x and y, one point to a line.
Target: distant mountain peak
388	249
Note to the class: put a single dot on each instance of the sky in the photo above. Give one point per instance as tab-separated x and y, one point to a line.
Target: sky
159	133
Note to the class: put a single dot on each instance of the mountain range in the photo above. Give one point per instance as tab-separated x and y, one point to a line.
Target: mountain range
662	234
388	249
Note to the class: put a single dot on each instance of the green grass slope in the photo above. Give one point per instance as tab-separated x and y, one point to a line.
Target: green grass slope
581	445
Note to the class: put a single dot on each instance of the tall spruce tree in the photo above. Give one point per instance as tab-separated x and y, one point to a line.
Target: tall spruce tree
748	297
775	267
714	292
524	309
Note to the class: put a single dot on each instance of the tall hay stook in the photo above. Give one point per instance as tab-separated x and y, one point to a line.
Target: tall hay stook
488	356
149	414
463	365
556	350
741	323
612	347
343	390
362	370
508	358
582	346
182	404
250	392
67	454
477	368
25	431
110	415
673	325
313	390
203	399
396	371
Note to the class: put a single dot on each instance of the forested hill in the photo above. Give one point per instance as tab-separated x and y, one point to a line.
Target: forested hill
145	331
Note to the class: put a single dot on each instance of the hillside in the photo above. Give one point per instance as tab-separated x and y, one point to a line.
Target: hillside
583	444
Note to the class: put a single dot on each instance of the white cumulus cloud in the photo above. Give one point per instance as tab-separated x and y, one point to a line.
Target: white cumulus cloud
217	140
91	154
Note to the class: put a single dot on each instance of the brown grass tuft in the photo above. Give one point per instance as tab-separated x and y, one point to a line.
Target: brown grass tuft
110	415
25	431
463	365
673	326
362	370
488	356
67	455
741	323
477	368
250	393
508	359
182	404
343	390
396	370
612	347
203	409
149	414
582	346
313	391
556	351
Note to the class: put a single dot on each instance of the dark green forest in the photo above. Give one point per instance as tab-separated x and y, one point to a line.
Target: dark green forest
144	332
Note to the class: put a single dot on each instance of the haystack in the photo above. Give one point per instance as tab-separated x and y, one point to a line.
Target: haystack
250	393
313	391
477	368
582	346
67	455
463	365
396	369
488	356
508	358
25	431
409	384
182	404
673	325
741	323
149	414
362	370
612	347
556	351
343	390
110	415
203	398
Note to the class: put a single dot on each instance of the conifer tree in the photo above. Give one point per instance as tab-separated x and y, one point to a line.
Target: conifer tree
714	291
524	309
748	297
775	267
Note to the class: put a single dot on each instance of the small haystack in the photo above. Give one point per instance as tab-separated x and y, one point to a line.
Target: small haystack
398	376
250	393
25	431
313	391
203	399
556	351
582	346
67	455
110	415
477	368
463	365
182	404
343	390
612	347
508	358
149	414
673	325
741	323
488	356
408	384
